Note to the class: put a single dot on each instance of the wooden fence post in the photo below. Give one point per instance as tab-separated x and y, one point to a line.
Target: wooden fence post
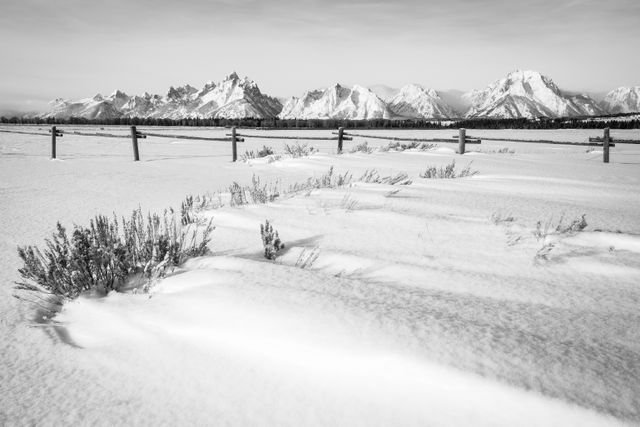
340	137
53	142
605	146
234	144
134	141
462	137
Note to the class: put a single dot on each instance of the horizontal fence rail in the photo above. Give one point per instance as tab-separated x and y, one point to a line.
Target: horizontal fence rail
22	132
308	138
619	141
545	141
102	134
392	138
606	142
200	138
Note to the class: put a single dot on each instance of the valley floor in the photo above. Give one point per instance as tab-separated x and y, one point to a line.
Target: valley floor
420	304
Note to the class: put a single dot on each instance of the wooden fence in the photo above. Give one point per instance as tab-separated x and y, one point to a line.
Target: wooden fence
461	139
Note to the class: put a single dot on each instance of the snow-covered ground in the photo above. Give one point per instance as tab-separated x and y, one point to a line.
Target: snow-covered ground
419	309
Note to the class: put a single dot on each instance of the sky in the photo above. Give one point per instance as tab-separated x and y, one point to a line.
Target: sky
77	48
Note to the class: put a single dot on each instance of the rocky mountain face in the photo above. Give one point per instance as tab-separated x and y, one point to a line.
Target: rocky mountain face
415	101
527	94
232	98
337	102
90	108
622	100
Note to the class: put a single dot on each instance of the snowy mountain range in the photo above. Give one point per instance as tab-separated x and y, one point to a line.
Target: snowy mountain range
622	100
521	94
232	98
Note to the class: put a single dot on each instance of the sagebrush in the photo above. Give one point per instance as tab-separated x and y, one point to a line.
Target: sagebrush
362	148
545	230
327	180
270	240
299	150
263	152
256	193
105	254
373	177
448	172
414	145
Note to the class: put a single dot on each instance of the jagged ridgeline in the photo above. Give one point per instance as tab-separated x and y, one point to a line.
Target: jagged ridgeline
521	94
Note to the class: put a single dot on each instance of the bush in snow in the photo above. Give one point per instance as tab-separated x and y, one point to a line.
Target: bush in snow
362	148
193	204
264	152
270	241
397	146
447	172
373	177
299	150
308	257
237	194
187	211
102	256
254	193
328	180
561	229
257	192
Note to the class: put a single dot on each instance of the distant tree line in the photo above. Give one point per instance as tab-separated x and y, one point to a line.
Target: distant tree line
275	123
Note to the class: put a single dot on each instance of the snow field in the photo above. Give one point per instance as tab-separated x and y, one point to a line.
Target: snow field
419	309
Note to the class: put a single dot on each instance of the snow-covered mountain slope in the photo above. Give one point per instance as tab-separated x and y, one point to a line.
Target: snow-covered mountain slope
337	102
622	100
415	101
386	93
118	99
234	97
176	104
142	106
527	94
97	107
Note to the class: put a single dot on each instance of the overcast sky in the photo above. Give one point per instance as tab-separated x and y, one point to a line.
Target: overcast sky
76	48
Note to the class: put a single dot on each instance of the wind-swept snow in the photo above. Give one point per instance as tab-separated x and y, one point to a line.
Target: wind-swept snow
419	309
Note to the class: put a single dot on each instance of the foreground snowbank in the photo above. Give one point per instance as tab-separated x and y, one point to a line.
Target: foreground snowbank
419	309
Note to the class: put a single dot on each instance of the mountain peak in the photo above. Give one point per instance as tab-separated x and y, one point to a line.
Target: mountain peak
527	94
336	102
414	88
118	94
524	74
414	100
623	100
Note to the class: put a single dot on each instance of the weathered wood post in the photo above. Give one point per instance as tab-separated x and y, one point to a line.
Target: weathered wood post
53	142
605	146
340	137
462	139
134	141
234	144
